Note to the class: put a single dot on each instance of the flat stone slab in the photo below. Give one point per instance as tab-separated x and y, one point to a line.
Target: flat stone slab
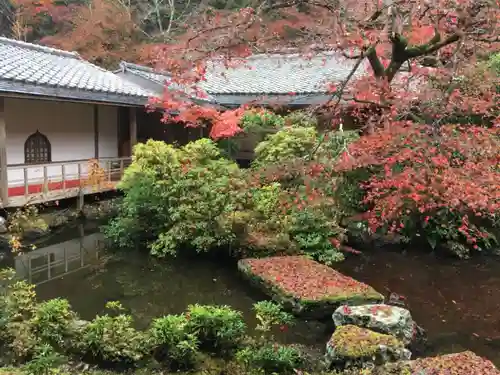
352	346
466	363
391	320
305	287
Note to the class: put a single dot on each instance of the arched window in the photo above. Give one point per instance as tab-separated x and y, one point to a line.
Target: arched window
37	149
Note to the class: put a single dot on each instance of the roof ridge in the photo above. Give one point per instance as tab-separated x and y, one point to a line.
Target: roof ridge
124	65
40	48
281	55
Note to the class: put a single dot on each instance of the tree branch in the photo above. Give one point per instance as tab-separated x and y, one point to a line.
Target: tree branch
429	48
376	64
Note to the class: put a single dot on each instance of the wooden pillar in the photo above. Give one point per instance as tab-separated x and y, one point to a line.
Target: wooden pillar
96	131
4	182
133	128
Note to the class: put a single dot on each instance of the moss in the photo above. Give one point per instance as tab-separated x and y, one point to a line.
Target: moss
306	287
355	342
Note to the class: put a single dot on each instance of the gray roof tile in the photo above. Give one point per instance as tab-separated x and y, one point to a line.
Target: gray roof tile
37	70
160	78
265	74
279	74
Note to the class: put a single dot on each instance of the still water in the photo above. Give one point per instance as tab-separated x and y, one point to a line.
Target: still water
456	302
81	271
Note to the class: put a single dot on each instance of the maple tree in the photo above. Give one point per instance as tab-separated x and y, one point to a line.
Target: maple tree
31	20
103	32
388	36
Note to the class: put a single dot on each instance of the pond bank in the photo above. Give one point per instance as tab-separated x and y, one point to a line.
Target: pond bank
457	302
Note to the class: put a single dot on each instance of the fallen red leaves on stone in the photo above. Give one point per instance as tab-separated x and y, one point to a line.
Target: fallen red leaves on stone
306	279
465	363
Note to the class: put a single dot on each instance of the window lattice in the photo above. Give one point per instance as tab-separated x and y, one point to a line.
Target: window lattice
37	149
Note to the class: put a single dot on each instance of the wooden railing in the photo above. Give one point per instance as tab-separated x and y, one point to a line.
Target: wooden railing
64	179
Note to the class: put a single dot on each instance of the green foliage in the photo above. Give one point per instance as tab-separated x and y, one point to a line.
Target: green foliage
113	339
219	329
110	340
17	306
176	197
301	119
335	143
171	342
286	144
313	230
494	63
265	355
266	199
45	361
52	322
257	121
270	314
272	358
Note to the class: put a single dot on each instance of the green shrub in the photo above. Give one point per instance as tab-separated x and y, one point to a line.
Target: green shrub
45	361
17	306
259	120
270	314
335	143
219	329
314	231
177	197
255	123
171	342
301	119
272	358
285	145
52	322
112	339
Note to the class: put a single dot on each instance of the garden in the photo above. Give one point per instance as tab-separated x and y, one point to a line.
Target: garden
309	200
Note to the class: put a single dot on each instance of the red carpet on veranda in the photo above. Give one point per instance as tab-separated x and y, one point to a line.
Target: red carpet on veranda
16	191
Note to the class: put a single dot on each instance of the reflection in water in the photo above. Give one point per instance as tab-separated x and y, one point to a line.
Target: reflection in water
57	260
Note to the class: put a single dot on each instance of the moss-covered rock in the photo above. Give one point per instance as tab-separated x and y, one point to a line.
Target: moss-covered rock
305	287
391	320
352	346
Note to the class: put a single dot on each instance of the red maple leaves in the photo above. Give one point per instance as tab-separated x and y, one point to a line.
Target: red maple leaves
423	172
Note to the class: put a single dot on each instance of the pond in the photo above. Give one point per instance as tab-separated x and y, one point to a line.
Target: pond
457	302
81	271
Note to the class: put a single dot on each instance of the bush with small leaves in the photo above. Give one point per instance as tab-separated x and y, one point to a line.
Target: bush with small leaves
112	339
52	323
286	144
270	314
219	329
272	358
175	198
17	306
45	361
172	344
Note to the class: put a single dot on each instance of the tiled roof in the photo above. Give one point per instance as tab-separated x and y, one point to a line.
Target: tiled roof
279	74
160	78
42	71
269	75
145	72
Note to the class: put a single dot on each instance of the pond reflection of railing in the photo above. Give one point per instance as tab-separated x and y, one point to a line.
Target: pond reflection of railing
58	260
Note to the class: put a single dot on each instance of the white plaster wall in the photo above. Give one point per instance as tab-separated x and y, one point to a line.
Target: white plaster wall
69	128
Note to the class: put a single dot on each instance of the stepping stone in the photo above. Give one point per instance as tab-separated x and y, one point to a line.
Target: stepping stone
352	346
466	363
391	320
305	287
